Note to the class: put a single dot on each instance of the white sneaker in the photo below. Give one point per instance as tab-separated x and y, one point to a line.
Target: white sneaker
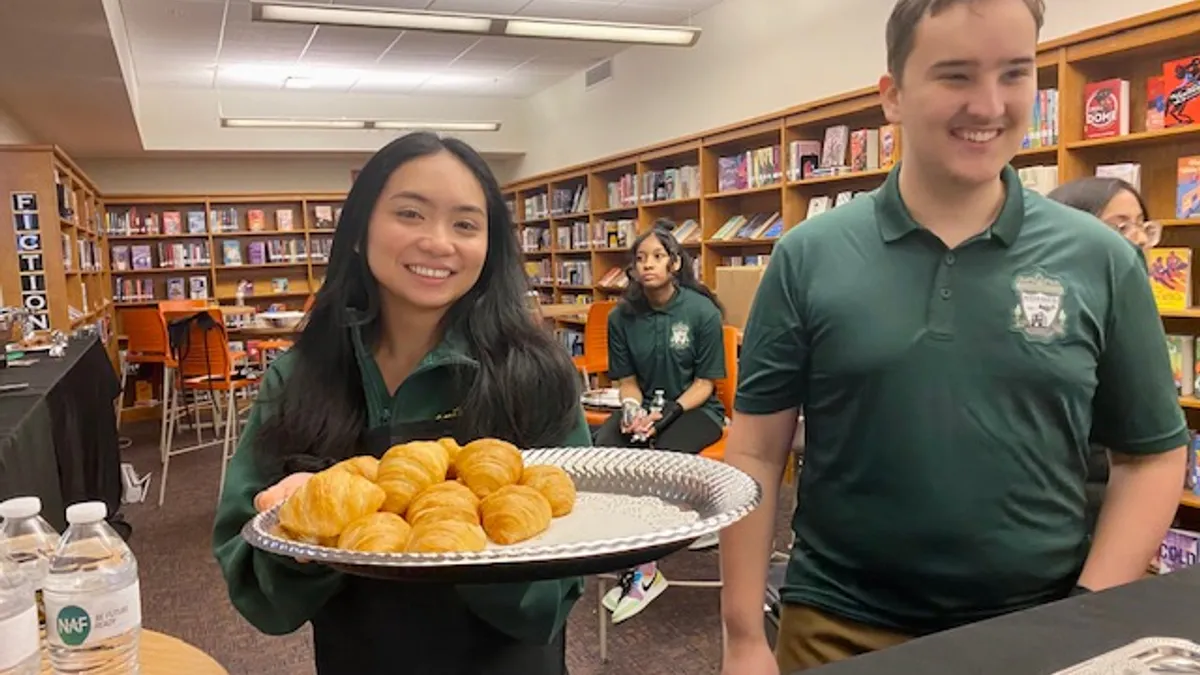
613	596
641	592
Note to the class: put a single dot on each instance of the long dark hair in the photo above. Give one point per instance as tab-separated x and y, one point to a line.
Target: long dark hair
634	300
322	408
1093	193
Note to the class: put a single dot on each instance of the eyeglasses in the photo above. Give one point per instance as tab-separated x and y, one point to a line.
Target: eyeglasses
1143	233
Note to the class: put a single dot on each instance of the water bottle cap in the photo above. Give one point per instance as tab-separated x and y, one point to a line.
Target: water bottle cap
86	512
20	507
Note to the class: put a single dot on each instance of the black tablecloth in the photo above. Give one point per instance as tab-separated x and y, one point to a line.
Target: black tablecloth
58	437
1050	638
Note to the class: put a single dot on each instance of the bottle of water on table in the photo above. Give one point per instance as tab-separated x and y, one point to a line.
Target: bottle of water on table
29	541
20	651
93	599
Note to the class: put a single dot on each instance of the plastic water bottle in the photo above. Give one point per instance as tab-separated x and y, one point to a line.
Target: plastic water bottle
93	599
20	651
29	541
659	402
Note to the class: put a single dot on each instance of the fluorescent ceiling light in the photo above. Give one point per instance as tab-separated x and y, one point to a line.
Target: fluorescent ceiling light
288	12
455	22
679	36
438	126
285	123
321	123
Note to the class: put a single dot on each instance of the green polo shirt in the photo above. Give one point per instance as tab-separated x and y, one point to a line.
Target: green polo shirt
670	347
948	399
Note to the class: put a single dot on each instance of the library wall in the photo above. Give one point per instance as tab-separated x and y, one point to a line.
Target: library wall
11	131
753	57
234	175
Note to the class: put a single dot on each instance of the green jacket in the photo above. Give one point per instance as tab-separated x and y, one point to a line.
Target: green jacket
278	595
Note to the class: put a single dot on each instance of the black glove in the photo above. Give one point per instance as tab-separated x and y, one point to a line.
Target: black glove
670	412
1079	590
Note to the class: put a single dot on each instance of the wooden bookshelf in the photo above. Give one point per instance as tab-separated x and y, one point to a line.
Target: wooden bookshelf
53	257
206	245
1132	49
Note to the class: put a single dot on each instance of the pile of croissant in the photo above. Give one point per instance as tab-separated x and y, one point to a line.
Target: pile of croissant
429	497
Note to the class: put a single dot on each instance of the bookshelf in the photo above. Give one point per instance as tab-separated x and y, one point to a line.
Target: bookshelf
776	177
53	257
274	247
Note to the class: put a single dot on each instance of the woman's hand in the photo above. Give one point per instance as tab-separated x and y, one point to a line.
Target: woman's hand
643	427
277	493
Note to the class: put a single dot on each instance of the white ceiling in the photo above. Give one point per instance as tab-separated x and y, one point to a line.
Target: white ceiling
214	44
186	61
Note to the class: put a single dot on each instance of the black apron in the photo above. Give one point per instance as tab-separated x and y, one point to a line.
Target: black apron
374	627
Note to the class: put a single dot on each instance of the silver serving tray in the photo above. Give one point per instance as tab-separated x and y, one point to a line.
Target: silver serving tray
1148	656
634	506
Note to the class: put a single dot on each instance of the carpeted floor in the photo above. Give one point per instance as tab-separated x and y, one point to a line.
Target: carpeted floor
184	595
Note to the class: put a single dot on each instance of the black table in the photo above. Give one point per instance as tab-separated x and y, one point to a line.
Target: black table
58	437
1049	638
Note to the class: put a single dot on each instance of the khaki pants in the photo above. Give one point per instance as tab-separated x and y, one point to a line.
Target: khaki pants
809	638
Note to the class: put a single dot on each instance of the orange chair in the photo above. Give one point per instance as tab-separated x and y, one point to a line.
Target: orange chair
206	366
147	343
595	350
726	388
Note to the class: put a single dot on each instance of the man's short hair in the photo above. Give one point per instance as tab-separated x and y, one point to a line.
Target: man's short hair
908	14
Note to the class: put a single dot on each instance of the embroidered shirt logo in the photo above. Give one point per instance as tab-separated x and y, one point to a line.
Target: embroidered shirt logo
1039	312
452	414
681	336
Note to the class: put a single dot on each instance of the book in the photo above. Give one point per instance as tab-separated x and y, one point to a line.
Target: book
1187	193
1181	83
1106	108
1171	277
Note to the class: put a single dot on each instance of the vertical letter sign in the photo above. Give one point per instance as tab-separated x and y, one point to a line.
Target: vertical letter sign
30	259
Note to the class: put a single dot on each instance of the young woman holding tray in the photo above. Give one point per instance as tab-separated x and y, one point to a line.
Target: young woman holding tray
420	331
664	336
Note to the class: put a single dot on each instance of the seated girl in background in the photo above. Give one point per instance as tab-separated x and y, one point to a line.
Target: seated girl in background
420	331
665	337
1119	205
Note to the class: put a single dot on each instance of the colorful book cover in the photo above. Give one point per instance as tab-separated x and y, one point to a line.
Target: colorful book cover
1171	277
1187	195
1181	82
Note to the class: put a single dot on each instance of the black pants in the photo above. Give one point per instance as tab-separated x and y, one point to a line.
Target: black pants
384	628
691	432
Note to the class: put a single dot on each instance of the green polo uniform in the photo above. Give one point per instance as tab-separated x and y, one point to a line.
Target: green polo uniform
278	595
948	399
670	347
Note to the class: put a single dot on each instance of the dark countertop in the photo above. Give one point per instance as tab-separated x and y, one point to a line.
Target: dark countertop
1049	638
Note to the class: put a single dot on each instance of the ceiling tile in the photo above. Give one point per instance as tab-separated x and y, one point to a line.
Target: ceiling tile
584	10
347	45
659	14
415	43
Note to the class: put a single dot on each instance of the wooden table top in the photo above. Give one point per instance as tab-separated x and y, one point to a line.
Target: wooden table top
165	655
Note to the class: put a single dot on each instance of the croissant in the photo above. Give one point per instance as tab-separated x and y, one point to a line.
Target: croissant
379	532
444	501
514	513
452	448
488	464
554	484
328	502
407	469
446	536
363	465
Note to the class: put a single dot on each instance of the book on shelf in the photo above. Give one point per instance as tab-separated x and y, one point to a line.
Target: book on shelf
1181	350
1041	179
1187	191
568	201
1106	108
1043	124
1181	85
747	170
1170	270
622	192
172	223
537	207
682	182
1130	172
231	252
284	220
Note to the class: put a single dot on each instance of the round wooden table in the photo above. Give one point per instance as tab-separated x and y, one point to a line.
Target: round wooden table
165	655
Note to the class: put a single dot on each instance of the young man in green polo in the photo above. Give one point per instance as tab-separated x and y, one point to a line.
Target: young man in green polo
954	341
